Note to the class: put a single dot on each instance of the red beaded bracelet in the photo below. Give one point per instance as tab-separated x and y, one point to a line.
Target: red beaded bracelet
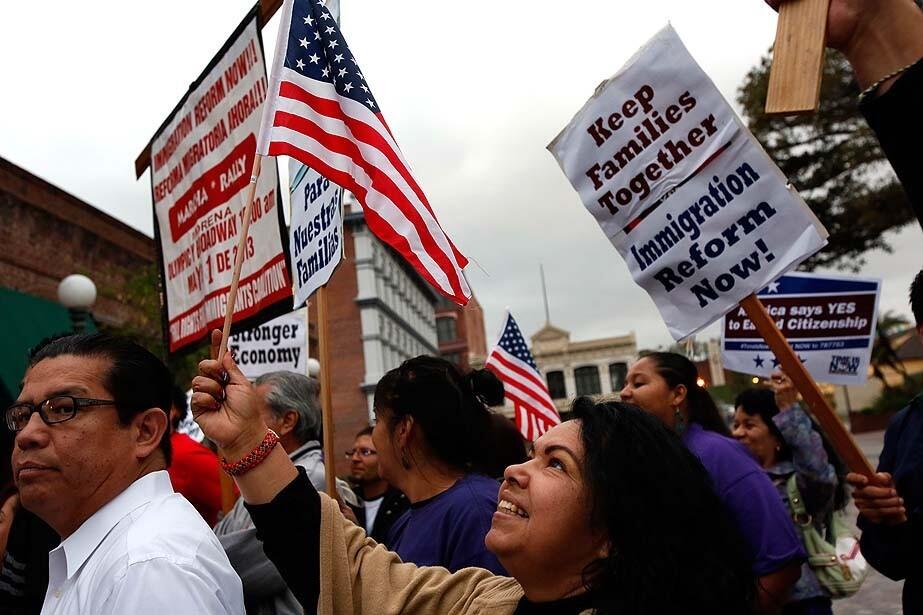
253	458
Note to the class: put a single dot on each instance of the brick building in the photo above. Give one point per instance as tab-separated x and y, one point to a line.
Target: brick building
381	313
460	332
48	234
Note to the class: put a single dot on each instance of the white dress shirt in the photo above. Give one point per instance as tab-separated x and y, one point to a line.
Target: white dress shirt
147	551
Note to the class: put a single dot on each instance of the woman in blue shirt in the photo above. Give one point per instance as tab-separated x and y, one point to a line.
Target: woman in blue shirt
431	424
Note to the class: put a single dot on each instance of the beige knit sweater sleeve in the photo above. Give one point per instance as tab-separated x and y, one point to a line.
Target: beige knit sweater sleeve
360	577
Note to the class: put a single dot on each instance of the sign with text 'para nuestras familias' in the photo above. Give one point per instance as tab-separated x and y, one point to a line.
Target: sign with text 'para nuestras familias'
316	232
699	212
828	320
201	162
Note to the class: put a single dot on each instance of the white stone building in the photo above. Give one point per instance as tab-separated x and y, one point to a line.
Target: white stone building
590	367
396	307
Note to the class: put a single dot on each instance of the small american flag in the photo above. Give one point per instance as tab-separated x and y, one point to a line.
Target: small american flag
523	385
321	112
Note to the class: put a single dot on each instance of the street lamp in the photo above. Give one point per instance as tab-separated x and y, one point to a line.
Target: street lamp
313	367
78	294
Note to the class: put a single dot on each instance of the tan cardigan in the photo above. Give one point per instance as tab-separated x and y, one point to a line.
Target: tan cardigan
360	577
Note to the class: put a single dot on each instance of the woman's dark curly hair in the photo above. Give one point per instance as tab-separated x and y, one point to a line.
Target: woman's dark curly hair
673	547
449	407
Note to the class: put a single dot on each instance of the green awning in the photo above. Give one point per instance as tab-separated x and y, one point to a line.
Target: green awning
24	322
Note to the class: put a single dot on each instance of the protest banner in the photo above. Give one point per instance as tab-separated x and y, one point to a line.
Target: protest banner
277	345
828	320
201	161
700	213
316	229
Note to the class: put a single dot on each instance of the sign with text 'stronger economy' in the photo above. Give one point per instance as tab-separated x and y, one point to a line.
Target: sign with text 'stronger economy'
698	211
316	233
201	162
277	345
828	320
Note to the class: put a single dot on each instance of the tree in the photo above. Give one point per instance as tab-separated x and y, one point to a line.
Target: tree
883	351
143	292
835	162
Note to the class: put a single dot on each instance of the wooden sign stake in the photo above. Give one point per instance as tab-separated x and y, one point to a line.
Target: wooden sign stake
228	497
841	439
326	394
798	58
239	257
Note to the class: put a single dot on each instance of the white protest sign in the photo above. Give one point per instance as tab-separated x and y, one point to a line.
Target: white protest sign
829	321
277	345
201	159
316	241
700	213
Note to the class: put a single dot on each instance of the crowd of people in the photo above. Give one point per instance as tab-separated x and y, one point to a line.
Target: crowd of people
649	504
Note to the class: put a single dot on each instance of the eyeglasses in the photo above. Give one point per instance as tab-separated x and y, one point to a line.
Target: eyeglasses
53	410
363	452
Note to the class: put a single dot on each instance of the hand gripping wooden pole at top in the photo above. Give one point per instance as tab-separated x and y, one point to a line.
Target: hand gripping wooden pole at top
841	440
798	57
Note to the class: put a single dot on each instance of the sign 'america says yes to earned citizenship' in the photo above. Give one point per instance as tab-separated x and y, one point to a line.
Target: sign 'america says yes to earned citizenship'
700	213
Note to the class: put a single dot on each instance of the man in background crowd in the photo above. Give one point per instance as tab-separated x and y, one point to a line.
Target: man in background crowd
289	405
380	503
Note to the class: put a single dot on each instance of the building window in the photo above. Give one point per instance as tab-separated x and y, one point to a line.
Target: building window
617	374
556	385
445	329
587	379
453	357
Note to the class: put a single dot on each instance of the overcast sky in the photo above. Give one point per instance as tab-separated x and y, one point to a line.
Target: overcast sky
473	92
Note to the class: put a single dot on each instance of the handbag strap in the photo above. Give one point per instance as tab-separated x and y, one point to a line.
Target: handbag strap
799	512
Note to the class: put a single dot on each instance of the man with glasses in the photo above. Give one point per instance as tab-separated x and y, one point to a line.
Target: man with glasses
382	504
289	404
90	457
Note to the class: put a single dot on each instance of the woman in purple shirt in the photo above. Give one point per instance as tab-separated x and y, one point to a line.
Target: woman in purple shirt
431	425
665	384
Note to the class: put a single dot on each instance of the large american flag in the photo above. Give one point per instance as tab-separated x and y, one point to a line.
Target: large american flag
523	385
321	112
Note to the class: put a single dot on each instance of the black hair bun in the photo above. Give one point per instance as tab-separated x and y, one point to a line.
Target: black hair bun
486	385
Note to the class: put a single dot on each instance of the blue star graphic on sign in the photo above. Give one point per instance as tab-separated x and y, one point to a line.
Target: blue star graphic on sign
758	360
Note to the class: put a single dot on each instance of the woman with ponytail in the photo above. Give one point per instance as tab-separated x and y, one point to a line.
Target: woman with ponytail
665	384
431	424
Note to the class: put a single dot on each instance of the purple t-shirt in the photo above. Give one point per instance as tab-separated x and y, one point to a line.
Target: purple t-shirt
448	529
751	498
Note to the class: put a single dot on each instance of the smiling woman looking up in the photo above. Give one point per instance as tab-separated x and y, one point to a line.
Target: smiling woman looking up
587	525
